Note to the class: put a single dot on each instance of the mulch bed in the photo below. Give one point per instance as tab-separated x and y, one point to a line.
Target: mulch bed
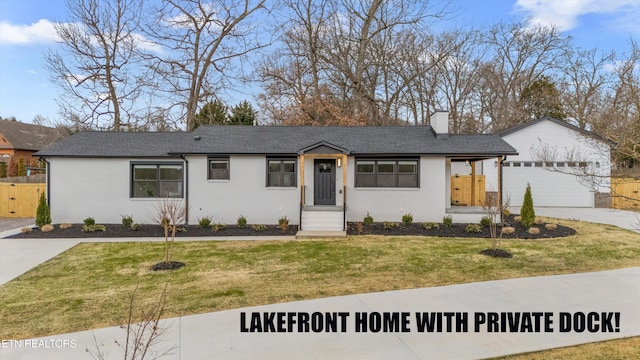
119	230
459	230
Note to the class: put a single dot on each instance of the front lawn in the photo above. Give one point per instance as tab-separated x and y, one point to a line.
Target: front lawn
89	285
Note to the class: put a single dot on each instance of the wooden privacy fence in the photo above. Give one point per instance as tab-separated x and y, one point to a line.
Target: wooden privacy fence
461	193
19	200
625	193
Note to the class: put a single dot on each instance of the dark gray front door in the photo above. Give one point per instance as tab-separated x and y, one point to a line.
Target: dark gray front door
324	184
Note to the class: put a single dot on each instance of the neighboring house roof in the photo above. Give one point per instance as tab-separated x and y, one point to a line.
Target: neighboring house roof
283	140
519	127
23	136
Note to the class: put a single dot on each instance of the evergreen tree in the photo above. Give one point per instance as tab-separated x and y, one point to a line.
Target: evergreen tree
22	170
541	99
43	214
242	114
527	214
3	170
212	113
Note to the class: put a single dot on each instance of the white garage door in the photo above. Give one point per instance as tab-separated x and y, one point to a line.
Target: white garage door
547	188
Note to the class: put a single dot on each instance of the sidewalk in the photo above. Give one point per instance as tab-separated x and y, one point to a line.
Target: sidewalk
218	335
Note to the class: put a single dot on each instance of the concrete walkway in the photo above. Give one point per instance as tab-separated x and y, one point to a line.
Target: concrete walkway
590	302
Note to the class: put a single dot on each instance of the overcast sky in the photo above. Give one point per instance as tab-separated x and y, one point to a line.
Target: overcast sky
26	33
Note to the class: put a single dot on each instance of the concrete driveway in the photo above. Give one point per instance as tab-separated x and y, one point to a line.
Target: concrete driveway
624	219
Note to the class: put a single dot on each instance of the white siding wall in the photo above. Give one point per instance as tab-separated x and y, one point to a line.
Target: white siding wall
97	188
550	188
245	193
426	203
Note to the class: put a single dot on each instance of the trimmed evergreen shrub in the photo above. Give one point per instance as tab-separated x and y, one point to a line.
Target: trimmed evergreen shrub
527	214
368	220
43	214
407	219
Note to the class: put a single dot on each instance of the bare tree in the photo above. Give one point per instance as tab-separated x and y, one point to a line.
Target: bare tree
171	213
199	39
98	68
519	54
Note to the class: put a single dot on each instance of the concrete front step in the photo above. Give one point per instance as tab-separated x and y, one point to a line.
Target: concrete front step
325	220
304	234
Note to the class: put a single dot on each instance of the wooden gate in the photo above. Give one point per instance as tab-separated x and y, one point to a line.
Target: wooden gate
461	194
625	193
20	200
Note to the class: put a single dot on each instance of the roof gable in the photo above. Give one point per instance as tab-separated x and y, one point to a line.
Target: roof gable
323	147
21	136
565	124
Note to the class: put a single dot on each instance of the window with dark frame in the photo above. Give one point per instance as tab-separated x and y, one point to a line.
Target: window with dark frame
387	173
218	168
155	180
281	172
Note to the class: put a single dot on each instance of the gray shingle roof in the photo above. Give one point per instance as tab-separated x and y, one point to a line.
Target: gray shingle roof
379	140
23	136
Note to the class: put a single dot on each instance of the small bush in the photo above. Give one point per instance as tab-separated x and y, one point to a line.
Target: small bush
517	218
368	220
538	221
258	227
534	231
89	221
46	228
93	228
551	227
388	225
473	228
447	221
430	225
134	227
204	222
43	213
508	230
26	230
242	221
181	229
65	226
485	221
127	220
527	214
217	227
283	222
506	212
407	219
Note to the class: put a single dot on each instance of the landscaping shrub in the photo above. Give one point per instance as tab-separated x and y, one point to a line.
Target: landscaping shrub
25	230
134	227
258	227
527	214
473	228
204	222
538	221
89	221
430	225
217	227
552	227
93	228
368	220
388	225
43	214
283	222
447	221
407	219
534	231
242	221
22	170
508	230
485	221
127	220
3	170
506	212
65	226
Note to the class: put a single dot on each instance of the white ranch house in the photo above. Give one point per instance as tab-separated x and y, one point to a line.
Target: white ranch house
318	177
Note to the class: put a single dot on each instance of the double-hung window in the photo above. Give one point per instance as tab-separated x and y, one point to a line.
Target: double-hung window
156	180
218	168
401	173
281	172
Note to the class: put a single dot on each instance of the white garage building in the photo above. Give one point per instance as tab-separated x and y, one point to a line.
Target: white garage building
565	166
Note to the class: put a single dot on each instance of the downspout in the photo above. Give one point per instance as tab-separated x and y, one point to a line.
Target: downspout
500	161
186	189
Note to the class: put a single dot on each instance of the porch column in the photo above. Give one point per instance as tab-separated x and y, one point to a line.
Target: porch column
302	199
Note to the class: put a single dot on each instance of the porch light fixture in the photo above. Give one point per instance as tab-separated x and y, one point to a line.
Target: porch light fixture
339	162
